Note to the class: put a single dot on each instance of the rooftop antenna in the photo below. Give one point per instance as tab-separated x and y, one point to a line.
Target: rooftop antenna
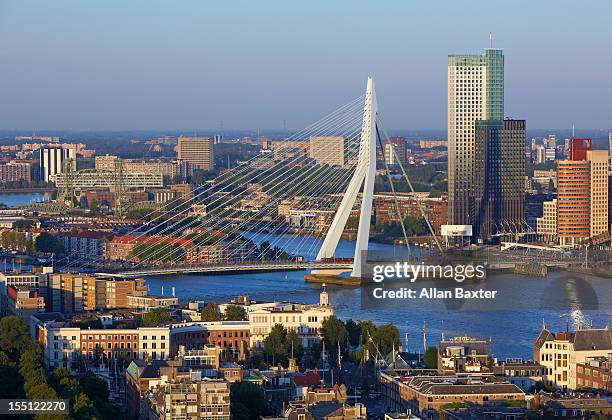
443	330
490	39
406	337
573	131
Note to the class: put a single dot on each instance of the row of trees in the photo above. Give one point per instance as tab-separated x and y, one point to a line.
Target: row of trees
160	252
354	339
414	226
232	313
45	242
22	375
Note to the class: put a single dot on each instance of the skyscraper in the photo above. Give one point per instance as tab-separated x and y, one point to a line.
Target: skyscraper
582	193
53	159
499	178
197	152
475	92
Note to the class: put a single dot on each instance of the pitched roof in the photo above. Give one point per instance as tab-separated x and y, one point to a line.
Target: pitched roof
543	337
593	339
308	379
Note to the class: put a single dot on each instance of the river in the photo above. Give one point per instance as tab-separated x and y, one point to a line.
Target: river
511	327
21	199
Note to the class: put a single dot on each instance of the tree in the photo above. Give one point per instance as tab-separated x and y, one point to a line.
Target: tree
10	381
210	312
156	316
83	407
354	332
274	343
13	336
247	401
431	358
293	343
234	313
387	338
159	252
45	242
335	334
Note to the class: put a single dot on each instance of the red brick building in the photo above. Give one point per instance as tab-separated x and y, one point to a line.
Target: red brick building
385	210
232	337
595	373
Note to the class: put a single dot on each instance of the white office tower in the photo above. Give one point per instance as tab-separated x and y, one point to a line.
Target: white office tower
52	161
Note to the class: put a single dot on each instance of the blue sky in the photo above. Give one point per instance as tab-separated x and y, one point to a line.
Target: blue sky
252	64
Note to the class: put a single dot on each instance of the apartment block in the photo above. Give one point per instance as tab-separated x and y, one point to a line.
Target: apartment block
197	152
561	352
328	150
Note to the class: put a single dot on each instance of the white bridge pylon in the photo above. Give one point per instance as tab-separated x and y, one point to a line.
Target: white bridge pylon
364	175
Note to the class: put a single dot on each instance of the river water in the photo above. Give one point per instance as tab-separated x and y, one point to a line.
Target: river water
512	323
20	199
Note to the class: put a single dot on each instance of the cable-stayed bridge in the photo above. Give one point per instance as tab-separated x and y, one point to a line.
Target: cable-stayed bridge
283	209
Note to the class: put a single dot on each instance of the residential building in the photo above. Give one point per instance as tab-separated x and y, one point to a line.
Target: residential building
52	161
328	150
395	149
120	247
595	373
111	293
147	303
427	393
499	173
23	302
64	344
304	319
385	210
290	149
100	179
547	224
169	169
197	152
428	144
524	374
232	337
324	410
463	354
65	293
207	399
574	406
143	377
86	244
475	92
34	282
560	353
15	171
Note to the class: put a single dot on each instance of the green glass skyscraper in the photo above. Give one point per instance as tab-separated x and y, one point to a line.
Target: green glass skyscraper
475	92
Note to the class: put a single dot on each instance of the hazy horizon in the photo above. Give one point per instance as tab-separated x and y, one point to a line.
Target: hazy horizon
171	66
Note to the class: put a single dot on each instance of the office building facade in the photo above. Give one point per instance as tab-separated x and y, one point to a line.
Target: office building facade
197	152
499	178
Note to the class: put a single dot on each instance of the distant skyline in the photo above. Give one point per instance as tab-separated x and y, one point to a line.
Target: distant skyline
188	65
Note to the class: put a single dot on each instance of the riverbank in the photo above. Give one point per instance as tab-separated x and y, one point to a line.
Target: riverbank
27	190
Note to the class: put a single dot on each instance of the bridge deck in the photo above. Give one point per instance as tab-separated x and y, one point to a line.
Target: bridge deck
229	268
